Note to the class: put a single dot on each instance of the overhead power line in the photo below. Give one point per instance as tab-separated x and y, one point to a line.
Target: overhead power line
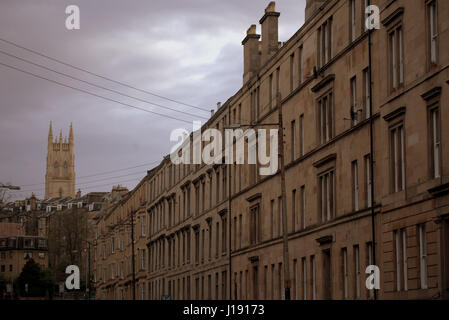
82	184
93	94
98	86
98	174
100	76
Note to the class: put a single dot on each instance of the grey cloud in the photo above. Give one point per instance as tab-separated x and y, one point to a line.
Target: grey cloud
128	41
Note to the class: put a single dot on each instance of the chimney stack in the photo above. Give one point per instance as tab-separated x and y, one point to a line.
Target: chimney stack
312	6
251	54
269	24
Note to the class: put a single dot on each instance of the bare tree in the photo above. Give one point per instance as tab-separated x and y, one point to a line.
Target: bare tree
4	193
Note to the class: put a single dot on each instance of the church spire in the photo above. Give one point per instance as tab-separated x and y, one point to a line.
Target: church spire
60	136
50	133
71	134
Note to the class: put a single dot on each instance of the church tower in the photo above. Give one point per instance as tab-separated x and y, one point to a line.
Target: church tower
60	175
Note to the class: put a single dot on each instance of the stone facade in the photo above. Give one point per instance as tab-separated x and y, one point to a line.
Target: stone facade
215	231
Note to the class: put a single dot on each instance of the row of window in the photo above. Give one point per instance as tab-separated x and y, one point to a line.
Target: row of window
212	286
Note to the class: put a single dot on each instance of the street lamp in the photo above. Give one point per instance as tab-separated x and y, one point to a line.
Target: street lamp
88	277
10	187
283	194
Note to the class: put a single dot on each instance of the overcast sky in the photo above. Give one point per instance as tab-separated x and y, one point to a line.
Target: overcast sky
187	50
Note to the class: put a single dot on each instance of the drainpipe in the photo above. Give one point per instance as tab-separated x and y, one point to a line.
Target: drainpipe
371	125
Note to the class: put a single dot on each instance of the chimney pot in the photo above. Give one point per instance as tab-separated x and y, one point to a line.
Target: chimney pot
251	53
269	23
271	7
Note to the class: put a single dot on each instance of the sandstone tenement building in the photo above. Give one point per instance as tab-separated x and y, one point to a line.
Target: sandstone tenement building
215	231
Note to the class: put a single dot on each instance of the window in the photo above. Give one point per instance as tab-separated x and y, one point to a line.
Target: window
217	239
188	201
255	224
223	284
142	259
303	207
210	240
368	183
273	219
354	111
293	139
188	246
224	225
369	262
278	81
434	133
355	186
197	246
432	18
301	135
210	190
345	273
224	185
304	279
396	58
300	65
272	94
56	169
197	199
313	271
400	253
235	233
325	118
203	240
217	198
142	226
280	282
397	158
422	255
265	283
327	200
240	230
280	216
324	43
357	271
366	94
352	14
295	279
257	102
294	211
364	15
216	286
292	68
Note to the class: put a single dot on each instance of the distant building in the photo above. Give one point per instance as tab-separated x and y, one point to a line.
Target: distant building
15	250
60	175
